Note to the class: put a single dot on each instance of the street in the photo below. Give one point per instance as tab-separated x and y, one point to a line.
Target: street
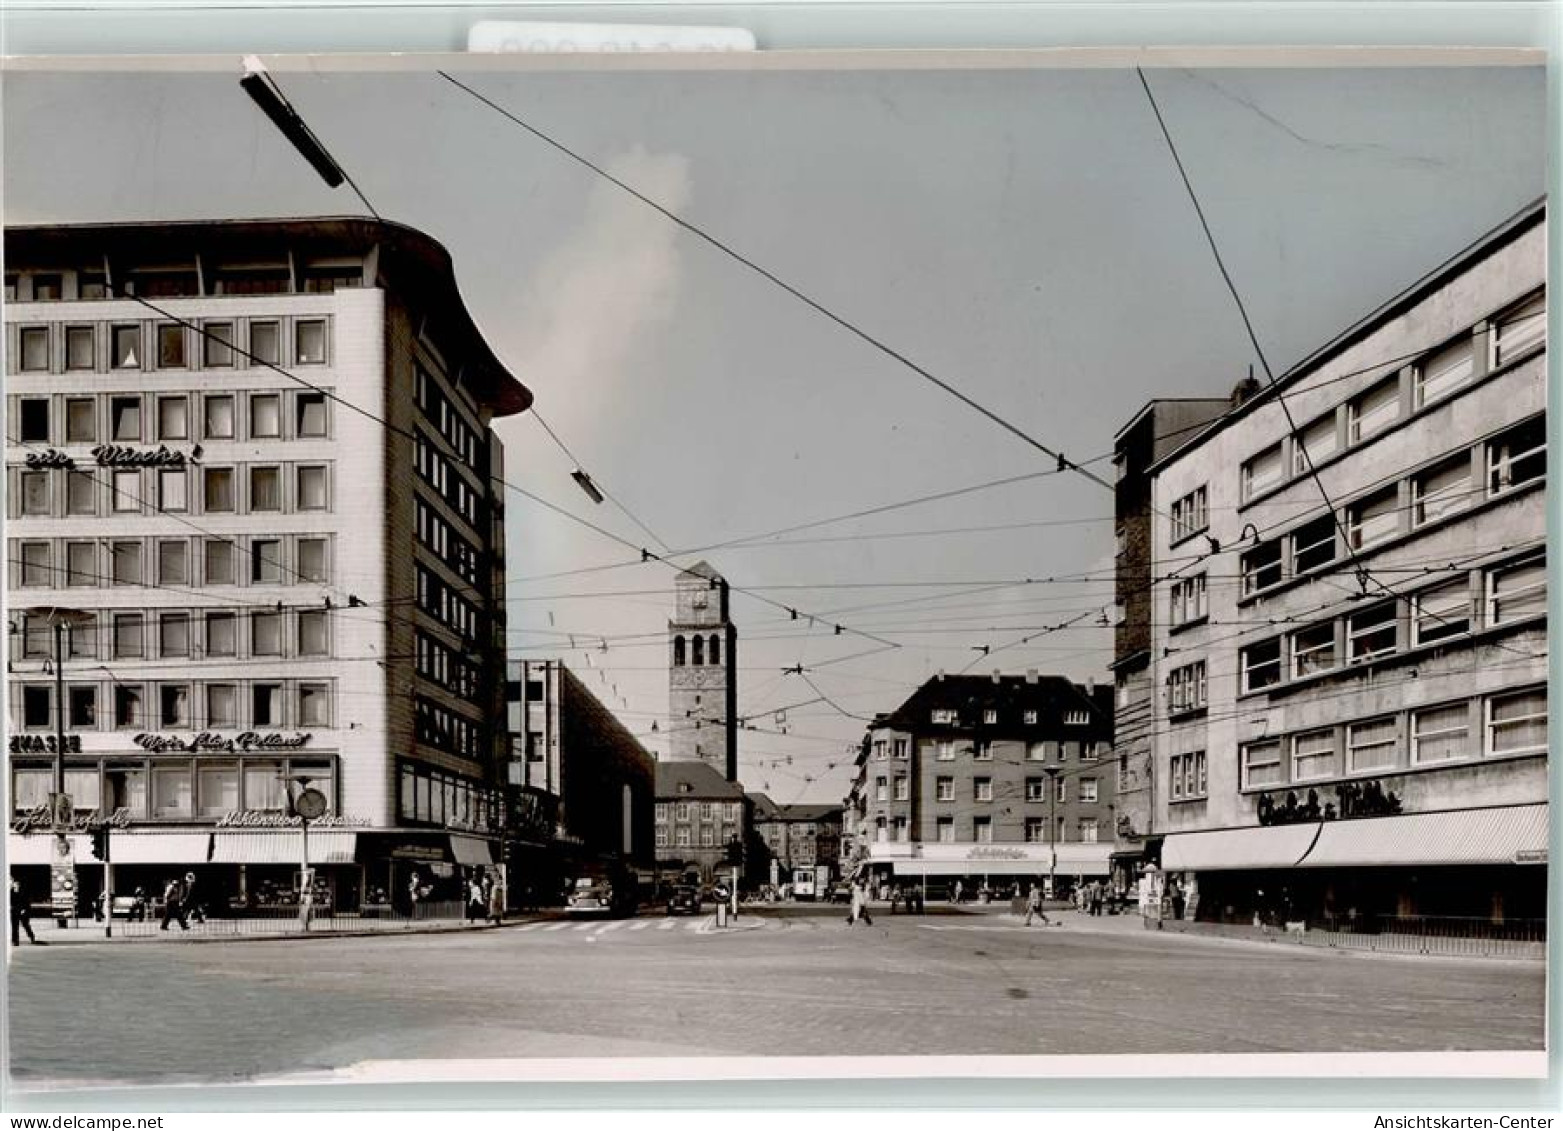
793	980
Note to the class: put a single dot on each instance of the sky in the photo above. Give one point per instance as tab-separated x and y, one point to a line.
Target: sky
1021	234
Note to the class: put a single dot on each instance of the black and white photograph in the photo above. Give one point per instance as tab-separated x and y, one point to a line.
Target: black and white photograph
732	566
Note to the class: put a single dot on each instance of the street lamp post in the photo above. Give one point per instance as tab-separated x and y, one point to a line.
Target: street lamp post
1052	830
62	870
308	805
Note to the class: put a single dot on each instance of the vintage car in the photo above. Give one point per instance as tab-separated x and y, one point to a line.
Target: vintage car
684	899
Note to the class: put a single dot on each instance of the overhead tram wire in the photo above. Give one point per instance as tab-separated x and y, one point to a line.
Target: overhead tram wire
554	436
819	308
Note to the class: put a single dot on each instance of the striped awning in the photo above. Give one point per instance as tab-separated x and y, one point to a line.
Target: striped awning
283	846
1227	850
1514	834
38	848
1073	860
471	851
159	848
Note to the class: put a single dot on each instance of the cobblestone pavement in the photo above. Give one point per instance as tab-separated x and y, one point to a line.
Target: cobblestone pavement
791	981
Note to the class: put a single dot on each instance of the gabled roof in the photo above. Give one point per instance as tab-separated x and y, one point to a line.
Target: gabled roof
1049	695
704	782
704	569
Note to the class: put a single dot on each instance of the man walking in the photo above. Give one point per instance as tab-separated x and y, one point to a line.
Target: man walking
174	905
1034	906
21	917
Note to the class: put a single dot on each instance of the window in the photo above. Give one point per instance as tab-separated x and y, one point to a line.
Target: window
266	633
1441	612
81	493
266	704
312	632
1445	370
171	791
1186	689
171	490
35	420
265	489
1036	830
217	788
943	716
312	493
266	342
662	834
982	751
1313	755
174	705
1518	330
1035	790
1261	567
126	557
83	788
681	837
35	349
310	415
898	749
1374	410
1517	457
1313	544
173	563
1076	718
313	705
312	559
126	788
1517	592
1262	472
81	420
36	565
174	634
1190	514
35	492
91	285
173	418
881	789
1517	724
265	790
265	416
946	830
1373	519
944	789
1314	650
983	789
125	412
1260	664
1261	764
310	342
1036	751
1186	773
219	418
1371	633
217	345
128	640
170	346
1441	491
1060	790
1315	444
218	563
222	635
1440	734
37	707
1088	790
125	344
218	489
1029	718
902	787
222	703
81	563
127	706
1088	830
1188	603
1371	745
902	830
944	751
982	830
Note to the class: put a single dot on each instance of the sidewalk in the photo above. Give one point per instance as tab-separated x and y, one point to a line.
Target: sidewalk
89	933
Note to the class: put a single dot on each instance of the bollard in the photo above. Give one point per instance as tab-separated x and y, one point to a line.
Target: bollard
721	914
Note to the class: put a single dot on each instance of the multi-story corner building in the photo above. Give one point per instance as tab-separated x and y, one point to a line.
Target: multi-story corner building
257	456
703	672
996	779
797	836
582	787
1350	643
702	821
1154	431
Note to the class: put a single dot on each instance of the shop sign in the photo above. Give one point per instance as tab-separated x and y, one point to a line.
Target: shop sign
42	818
272	819
212	742
419	852
1531	856
983	852
44	744
118	455
51	458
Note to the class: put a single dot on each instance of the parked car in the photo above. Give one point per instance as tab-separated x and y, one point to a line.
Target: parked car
684	899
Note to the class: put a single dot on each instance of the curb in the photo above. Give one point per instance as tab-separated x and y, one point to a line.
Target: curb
283	936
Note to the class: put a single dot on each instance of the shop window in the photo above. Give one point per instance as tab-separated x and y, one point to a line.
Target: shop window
1445	370
1517	724
1441	612
1261	665
1441	491
1441	734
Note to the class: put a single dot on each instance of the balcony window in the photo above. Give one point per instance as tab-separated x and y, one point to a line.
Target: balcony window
1314	650
1517	457
1519	330
1441	491
1260	665
1441	734
1374	410
1262	764
1262	472
1371	633
1373	519
1372	745
1517	724
1261	567
1313	755
1441	612
1517	592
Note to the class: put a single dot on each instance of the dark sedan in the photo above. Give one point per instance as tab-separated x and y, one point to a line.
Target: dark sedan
684	900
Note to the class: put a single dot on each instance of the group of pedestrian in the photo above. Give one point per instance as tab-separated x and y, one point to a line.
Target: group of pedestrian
180	904
858	908
911	896
486	898
1091	898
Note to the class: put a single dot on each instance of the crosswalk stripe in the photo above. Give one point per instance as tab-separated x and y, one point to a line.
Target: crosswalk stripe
529	926
584	926
666	925
557	927
694	924
640	926
606	927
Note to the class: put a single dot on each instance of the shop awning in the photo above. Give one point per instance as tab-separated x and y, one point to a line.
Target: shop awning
38	848
1515	834
471	852
329	846
159	848
1073	860
1226	850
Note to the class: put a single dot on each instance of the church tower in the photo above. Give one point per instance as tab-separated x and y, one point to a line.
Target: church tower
703	673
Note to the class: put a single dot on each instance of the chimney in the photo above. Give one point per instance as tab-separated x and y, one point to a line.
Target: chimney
1245	389
939	674
997	678
1031	675
1090	685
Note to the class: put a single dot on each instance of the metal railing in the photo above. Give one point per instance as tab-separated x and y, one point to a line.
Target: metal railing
1454	935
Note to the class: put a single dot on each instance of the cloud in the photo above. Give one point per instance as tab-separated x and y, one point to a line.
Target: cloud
614	277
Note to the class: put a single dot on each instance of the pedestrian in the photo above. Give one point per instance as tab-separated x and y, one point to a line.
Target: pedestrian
174	905
21	917
958	891
192	906
496	901
895	898
1034	906
97	907
1098	896
414	893
138	905
860	904
477	906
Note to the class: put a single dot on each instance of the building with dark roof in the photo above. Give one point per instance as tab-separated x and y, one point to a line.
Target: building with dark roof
703	672
701	819
795	837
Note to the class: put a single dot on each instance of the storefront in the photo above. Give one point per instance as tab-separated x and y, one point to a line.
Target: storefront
994	868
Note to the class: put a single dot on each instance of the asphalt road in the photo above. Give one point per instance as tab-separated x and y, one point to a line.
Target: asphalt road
798	981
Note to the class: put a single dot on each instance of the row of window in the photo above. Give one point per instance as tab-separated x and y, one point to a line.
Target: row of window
949	716
97	347
447	544
1051	750
180	705
433	797
697	810
1511	460
1513	723
181	634
442	728
185	281
684	837
698	653
171	789
252	489
1483	599
1087	830
1435	375
173	561
982	789
447	668
447	606
449	483
439	410
134	418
